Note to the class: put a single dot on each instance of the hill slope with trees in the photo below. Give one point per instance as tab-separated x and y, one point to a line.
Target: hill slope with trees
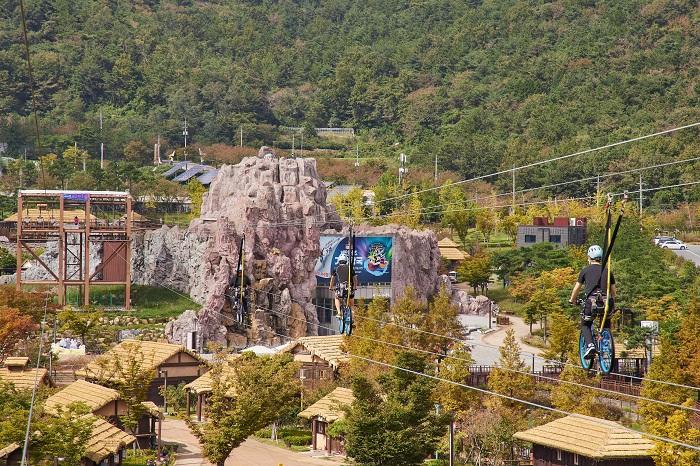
484	84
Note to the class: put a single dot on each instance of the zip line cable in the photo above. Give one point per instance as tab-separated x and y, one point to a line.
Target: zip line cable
542	162
468	343
32	89
658	438
25	448
518	400
447	356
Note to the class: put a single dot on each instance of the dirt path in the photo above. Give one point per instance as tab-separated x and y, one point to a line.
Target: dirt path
521	330
251	453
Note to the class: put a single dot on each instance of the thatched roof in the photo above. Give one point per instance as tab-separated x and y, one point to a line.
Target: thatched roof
17	361
153	353
450	250
106	440
5	451
23	378
93	395
203	383
590	437
330	407
327	348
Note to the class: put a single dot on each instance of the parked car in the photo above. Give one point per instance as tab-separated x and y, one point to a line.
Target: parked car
673	244
662	239
453	276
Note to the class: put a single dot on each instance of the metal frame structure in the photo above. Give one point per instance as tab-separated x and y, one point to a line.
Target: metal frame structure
74	237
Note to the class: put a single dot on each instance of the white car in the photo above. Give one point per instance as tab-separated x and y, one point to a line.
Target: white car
674	244
662	239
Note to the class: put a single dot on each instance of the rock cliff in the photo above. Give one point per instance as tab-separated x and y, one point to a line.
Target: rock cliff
279	206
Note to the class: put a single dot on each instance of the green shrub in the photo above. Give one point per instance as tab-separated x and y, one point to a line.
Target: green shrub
297	440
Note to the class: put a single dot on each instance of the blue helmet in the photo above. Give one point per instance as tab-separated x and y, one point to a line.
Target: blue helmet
595	252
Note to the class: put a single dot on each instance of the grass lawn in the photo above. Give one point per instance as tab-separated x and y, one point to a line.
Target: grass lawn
147	301
507	304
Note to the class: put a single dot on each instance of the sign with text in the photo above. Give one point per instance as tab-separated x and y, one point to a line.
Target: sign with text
372	258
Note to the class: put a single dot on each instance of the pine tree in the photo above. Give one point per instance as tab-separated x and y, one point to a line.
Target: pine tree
510	377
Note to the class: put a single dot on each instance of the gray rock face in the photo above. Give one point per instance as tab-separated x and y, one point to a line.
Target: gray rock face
467	304
279	205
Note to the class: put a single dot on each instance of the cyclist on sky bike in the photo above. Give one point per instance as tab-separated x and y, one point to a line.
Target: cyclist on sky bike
594	279
339	282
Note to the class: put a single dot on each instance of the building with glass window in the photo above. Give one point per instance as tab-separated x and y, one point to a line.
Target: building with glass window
563	231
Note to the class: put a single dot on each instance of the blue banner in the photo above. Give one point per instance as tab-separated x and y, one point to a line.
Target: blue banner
77	197
373	256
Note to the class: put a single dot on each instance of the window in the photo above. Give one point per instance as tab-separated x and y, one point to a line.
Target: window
530	238
555	238
558	455
575	458
321	428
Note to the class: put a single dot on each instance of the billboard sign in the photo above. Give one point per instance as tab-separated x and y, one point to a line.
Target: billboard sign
78	197
372	258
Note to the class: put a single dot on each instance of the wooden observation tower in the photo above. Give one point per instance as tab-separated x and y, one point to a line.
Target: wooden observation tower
76	222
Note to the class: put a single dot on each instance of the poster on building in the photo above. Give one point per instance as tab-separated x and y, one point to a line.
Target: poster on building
372	258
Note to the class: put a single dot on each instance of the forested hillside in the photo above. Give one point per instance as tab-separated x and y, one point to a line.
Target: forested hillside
485	84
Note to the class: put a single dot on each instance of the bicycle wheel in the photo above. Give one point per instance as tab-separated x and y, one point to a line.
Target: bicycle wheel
585	363
341	320
606	351
347	317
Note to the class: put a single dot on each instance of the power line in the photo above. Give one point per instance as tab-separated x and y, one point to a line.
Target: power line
542	162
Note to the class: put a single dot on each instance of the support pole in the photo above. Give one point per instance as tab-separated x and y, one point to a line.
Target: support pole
597	191
512	207
452	439
61	253
86	263
641	189
127	272
18	252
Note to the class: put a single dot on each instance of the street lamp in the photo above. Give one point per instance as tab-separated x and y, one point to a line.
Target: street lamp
164	374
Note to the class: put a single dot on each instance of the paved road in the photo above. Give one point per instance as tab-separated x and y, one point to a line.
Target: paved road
250	453
485	351
691	254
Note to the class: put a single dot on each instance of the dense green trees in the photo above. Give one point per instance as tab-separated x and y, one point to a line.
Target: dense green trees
394	422
442	77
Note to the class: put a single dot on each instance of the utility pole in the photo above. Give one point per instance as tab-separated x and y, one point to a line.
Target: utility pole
640	194
402	167
185	133
292	142
301	150
512	206
241	135
436	168
102	145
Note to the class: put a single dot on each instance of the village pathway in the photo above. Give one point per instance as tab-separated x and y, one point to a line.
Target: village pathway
250	453
489	356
